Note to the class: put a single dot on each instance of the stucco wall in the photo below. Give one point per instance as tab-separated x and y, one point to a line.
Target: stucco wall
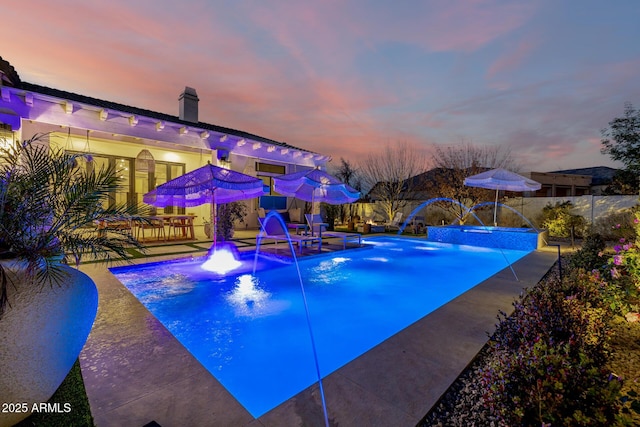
590	207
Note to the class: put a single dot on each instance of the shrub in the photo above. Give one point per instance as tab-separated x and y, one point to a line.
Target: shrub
437	216
617	225
509	218
625	274
560	222
547	358
591	255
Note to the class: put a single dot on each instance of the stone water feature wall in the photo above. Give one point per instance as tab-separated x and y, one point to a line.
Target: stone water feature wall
490	237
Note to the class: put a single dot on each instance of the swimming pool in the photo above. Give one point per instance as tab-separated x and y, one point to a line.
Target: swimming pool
251	332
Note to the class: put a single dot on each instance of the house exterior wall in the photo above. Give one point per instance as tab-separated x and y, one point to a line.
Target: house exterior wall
560	185
79	123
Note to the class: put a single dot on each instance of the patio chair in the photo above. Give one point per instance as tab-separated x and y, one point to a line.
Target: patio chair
394	224
182	227
156	225
121	227
273	230
318	226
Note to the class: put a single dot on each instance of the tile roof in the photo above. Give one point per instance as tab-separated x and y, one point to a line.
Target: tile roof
143	112
8	74
600	175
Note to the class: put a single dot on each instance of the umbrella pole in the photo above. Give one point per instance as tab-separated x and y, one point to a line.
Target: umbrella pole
214	221
313	209
495	211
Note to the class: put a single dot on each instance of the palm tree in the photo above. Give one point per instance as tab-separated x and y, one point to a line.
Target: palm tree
49	208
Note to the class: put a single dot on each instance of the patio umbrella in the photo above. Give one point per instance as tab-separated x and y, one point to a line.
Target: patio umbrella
315	185
501	179
207	184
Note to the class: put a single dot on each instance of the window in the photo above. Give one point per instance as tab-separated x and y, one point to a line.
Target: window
147	181
271	199
269	168
267	183
135	184
94	162
6	136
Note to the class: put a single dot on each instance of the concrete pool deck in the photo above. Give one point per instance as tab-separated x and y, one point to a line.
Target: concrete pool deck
136	372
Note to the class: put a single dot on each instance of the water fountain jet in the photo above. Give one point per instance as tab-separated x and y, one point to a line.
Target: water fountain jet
222	259
275	216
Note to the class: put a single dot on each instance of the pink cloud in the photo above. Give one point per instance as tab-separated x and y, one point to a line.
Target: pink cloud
511	60
294	71
469	25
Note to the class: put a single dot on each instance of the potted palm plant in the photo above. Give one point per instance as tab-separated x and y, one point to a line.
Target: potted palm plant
49	207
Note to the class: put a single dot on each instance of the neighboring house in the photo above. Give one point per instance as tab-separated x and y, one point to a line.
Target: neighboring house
565	183
165	146
559	184
573	182
556	184
601	177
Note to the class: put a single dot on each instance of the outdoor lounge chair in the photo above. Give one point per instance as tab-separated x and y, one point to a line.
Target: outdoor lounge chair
273	230
297	227
394	224
318	226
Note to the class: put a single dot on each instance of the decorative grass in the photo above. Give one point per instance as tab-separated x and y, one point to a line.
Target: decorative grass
71	392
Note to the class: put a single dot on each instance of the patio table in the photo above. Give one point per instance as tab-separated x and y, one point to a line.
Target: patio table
184	222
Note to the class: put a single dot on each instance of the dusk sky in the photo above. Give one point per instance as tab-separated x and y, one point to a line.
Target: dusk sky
344	78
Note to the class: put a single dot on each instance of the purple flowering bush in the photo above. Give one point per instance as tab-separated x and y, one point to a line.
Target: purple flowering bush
591	255
624	269
548	357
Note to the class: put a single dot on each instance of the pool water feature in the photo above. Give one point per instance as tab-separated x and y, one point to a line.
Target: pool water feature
249	330
489	236
222	259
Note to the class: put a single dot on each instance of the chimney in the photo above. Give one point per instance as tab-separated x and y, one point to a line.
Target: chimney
189	105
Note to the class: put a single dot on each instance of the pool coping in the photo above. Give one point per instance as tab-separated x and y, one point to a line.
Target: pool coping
136	372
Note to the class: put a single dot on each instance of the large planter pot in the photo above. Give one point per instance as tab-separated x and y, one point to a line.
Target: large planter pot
42	334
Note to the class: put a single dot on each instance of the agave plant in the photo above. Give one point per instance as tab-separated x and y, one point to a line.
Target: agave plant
49	209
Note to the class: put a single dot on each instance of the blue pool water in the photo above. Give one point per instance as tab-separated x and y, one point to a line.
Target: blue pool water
251	332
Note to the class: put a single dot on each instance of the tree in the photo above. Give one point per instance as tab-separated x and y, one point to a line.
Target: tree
621	141
455	163
387	174
623	182
348	174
